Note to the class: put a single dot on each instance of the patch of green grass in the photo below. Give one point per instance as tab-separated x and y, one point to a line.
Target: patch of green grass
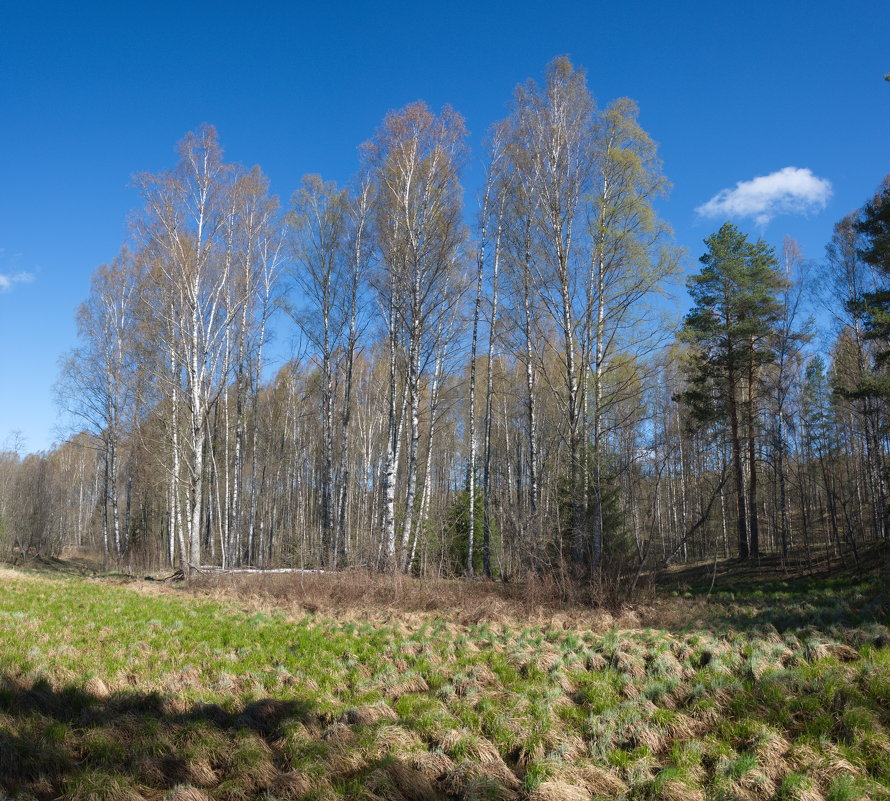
109	693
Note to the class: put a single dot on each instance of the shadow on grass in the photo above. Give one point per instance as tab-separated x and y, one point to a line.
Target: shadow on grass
73	744
828	605
826	608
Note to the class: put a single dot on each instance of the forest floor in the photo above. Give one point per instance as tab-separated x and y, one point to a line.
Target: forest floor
769	685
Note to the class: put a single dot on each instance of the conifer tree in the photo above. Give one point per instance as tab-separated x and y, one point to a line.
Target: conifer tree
732	327
873	226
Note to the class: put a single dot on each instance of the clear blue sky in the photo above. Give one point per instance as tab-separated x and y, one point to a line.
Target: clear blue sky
92	93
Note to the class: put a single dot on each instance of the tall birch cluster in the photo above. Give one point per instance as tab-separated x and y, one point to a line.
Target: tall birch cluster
490	385
586	257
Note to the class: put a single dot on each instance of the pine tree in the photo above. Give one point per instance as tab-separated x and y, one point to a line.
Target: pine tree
732	329
873	226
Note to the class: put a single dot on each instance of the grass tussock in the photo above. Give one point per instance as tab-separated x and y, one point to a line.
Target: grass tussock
221	692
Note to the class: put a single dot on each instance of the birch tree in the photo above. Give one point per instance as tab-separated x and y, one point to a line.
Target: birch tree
631	260
320	218
415	161
184	225
99	382
555	124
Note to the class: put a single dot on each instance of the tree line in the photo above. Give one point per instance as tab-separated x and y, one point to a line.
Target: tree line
485	388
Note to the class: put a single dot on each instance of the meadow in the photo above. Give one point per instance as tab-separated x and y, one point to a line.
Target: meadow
121	690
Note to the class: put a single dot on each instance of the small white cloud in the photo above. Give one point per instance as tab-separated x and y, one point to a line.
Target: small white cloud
8	280
791	190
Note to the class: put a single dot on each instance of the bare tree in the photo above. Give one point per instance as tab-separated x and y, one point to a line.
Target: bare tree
415	160
99	381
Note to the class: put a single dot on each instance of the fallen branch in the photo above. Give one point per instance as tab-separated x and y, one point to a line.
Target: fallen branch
234	570
177	575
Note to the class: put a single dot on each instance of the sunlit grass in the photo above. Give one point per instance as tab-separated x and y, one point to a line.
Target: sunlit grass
108	693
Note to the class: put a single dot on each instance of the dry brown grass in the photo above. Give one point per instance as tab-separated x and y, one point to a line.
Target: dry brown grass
95	686
371	714
187	794
674	790
414	783
470	780
559	791
364	595
9	574
434	765
292	785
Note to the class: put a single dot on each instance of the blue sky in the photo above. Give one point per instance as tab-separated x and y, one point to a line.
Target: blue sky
92	93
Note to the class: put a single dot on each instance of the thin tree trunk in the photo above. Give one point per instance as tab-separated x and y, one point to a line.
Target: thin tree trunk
489	396
741	510
752	466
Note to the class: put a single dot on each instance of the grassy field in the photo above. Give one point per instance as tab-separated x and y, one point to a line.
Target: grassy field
129	690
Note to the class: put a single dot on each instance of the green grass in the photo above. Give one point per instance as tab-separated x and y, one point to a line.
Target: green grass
109	693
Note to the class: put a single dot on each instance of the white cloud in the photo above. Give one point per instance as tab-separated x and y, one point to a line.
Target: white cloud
7	280
791	190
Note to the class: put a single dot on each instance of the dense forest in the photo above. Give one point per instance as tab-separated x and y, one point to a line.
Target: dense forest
486	386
